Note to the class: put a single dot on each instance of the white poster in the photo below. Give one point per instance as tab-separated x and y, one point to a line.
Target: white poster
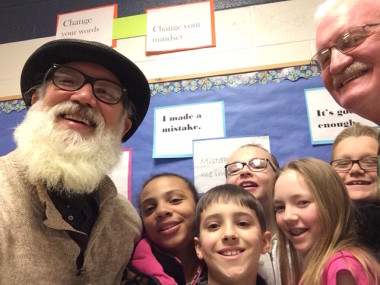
121	174
180	27
175	127
93	24
326	118
210	157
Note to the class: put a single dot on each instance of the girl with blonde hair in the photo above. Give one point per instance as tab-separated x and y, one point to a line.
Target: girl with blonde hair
317	238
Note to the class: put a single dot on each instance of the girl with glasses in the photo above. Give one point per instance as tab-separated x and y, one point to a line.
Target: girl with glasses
354	157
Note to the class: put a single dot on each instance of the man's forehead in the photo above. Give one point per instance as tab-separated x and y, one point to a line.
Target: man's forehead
349	12
333	20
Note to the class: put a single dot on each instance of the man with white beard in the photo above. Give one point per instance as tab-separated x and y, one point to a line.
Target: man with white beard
61	219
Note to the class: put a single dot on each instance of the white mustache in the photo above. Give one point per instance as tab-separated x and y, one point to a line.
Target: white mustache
355	68
82	111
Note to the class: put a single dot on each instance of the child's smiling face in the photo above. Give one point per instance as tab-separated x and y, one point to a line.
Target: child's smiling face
230	242
168	213
296	211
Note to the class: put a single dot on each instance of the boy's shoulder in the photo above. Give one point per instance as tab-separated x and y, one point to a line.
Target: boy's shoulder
203	279
260	280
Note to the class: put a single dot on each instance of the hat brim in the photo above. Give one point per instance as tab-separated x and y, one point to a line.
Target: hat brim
68	50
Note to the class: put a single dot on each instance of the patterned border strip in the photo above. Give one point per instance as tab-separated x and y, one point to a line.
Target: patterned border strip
207	83
247	79
13	105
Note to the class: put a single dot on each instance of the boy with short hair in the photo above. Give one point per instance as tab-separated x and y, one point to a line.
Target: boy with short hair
230	236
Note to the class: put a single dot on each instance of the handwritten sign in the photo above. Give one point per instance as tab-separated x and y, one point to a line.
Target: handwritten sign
210	157
93	24
180	27
175	127
326	118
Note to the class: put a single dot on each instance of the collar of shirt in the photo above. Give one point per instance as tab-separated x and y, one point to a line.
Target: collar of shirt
80	211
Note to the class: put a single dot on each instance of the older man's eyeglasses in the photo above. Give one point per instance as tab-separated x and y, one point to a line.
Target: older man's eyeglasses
254	164
345	165
346	42
71	79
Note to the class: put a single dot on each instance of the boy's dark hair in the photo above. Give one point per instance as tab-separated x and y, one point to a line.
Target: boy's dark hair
189	184
229	193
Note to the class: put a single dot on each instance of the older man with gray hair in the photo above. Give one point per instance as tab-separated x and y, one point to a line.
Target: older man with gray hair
61	218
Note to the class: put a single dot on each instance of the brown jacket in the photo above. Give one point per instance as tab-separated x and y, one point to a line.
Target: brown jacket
35	247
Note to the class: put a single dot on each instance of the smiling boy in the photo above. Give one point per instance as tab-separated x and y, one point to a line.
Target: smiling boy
230	236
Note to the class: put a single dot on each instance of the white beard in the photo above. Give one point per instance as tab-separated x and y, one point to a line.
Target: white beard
62	159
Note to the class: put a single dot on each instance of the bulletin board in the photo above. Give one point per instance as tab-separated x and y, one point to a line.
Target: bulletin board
263	103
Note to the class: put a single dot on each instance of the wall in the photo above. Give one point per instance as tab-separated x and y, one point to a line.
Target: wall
248	38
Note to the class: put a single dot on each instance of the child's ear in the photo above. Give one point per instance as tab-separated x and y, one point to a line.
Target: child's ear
266	242
198	250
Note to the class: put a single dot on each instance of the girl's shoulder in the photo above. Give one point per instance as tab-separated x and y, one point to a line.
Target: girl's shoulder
340	256
344	260
150	263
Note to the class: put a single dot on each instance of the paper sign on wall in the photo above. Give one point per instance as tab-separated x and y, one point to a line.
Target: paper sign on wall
175	127
93	24
121	174
180	27
326	118
210	157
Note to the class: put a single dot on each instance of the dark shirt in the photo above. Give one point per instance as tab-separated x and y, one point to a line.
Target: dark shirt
170	264
81	212
203	280
368	223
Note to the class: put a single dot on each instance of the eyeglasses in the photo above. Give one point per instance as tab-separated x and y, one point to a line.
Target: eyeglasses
345	165
71	79
346	42
255	165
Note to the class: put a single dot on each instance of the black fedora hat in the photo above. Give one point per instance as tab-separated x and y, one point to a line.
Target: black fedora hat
68	50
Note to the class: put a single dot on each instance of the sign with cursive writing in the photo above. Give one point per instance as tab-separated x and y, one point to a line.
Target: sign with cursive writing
211	155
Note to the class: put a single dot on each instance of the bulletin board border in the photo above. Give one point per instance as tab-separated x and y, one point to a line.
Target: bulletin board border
206	83
234	80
